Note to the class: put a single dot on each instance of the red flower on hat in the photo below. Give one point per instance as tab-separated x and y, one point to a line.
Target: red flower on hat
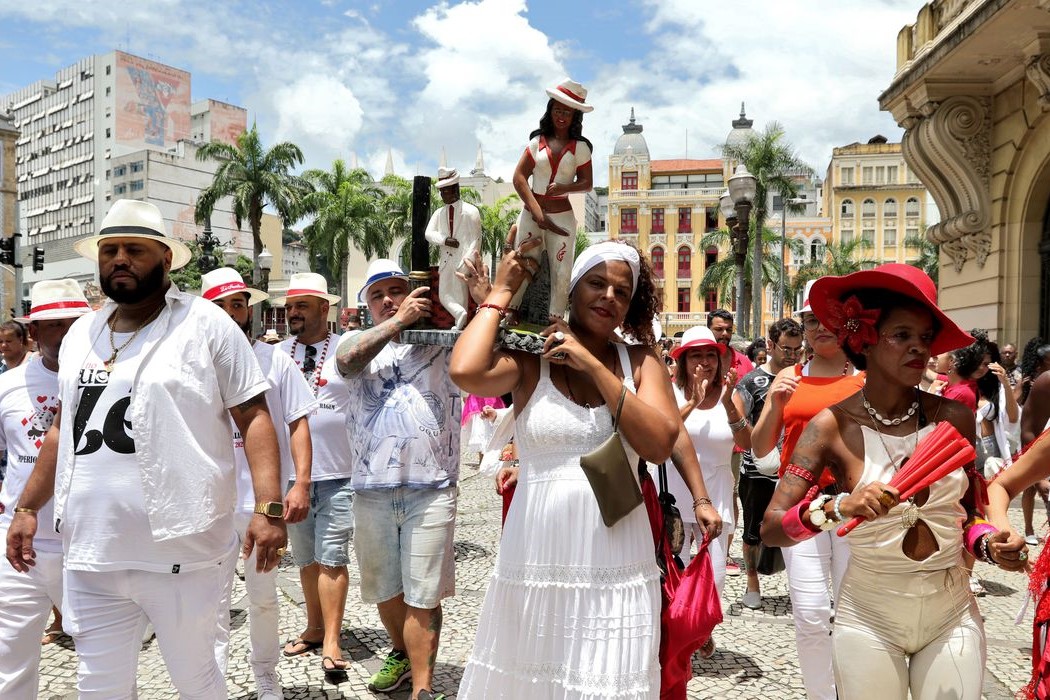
852	323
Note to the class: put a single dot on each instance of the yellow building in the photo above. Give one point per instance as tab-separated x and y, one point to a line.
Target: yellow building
664	207
972	91
870	193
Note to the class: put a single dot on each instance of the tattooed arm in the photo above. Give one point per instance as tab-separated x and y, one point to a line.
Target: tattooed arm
811	455
357	350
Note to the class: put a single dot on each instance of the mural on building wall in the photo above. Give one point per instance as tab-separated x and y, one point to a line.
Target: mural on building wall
227	122
152	103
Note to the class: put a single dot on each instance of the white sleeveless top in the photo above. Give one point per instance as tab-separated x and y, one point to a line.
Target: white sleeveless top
878	545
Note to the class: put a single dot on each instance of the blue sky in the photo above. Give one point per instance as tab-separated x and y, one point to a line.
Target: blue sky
344	78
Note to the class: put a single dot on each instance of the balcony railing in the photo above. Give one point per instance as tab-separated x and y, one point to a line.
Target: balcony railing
712	193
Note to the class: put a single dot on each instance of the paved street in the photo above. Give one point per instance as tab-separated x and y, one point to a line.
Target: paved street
755	658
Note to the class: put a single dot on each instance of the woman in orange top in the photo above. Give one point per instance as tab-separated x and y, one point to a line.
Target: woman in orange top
797	394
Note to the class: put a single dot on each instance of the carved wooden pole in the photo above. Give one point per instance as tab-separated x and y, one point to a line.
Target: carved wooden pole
420	273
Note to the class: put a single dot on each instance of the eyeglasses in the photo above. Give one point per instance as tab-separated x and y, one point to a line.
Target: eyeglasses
788	351
811	323
309	363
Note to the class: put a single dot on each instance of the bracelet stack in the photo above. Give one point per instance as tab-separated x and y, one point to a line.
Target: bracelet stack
701	501
838	502
737	426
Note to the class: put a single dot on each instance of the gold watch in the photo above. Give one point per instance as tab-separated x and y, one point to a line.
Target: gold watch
271	509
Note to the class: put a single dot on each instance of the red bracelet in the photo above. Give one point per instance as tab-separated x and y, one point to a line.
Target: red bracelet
801	472
501	310
793	525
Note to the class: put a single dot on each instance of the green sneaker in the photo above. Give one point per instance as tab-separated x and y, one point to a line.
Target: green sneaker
395	671
429	695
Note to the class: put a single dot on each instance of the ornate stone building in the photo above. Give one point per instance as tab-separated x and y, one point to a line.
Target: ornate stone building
972	91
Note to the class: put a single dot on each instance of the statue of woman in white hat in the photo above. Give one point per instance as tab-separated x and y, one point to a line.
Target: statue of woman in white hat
558	160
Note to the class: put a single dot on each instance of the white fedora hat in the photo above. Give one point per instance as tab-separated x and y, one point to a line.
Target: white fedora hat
806	308
380	270
571	94
307	284
130	218
447	177
225	281
54	299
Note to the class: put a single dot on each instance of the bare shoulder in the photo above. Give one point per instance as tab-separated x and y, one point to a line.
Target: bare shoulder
938	408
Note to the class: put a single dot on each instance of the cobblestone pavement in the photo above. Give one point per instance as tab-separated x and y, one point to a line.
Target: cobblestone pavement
755	658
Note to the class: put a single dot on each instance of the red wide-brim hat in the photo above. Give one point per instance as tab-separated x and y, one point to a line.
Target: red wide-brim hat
907	280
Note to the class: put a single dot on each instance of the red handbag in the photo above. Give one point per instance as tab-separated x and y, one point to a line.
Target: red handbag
691	608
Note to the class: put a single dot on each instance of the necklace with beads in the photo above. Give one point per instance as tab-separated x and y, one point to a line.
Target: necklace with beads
108	364
315	380
910	514
889	422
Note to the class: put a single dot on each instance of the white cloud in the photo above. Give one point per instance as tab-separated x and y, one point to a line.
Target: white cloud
317	112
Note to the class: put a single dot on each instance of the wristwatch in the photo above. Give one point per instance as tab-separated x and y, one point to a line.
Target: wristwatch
817	516
271	509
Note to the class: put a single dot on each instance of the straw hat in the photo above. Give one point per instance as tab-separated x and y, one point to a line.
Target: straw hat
447	177
307	284
225	281
378	270
51	299
130	218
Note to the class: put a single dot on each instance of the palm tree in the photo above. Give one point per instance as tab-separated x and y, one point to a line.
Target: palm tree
345	207
496	220
929	255
396	212
721	276
777	169
840	258
254	177
582	243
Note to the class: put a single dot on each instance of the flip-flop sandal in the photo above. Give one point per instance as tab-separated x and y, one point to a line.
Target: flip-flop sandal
336	672
52	635
300	646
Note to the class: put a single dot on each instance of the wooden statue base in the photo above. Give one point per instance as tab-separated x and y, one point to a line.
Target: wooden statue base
509	339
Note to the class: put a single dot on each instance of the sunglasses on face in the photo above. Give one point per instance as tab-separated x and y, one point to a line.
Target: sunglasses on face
309	361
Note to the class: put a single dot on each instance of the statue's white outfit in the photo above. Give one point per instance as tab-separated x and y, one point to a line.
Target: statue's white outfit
461	221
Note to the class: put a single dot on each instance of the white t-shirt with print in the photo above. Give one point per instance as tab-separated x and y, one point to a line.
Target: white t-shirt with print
28	404
288	398
404	419
331	458
106	527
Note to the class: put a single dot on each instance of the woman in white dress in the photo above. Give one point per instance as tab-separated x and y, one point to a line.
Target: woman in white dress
573	607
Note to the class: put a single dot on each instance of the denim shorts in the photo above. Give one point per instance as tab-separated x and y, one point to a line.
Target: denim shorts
403	542
324	536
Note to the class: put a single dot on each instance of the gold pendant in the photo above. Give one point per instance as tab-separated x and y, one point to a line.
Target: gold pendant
108	364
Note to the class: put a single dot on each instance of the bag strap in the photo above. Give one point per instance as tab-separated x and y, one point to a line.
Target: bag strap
662	472
619	407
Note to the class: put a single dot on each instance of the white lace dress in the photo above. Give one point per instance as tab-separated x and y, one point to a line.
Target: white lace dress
573	607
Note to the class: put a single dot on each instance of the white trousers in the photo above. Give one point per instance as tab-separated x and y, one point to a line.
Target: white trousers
813	567
106	613
25	603
561	251
262	611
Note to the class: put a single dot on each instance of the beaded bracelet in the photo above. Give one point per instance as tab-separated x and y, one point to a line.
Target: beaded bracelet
501	310
838	502
984	554
801	472
702	501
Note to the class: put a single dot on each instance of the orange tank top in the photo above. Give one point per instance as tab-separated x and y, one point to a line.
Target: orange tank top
813	395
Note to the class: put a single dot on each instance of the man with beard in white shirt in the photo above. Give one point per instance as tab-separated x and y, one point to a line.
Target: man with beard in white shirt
290	402
28	404
321	542
142	469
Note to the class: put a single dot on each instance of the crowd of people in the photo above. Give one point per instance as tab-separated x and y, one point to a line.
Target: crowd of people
151	442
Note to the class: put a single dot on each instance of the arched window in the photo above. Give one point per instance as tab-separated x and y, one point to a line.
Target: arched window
710	257
657	258
847	208
889	209
685	261
867	208
911	208
816	250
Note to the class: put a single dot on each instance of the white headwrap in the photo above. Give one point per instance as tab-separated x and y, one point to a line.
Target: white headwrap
605	252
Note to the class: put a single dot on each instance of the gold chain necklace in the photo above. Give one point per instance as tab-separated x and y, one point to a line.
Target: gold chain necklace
108	364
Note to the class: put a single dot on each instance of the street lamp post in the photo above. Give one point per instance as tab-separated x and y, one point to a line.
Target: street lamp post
208	261
737	201
263	262
783	247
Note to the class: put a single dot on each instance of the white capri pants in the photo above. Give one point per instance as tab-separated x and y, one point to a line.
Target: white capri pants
25	603
918	631
813	567
263	610
561	251
106	613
